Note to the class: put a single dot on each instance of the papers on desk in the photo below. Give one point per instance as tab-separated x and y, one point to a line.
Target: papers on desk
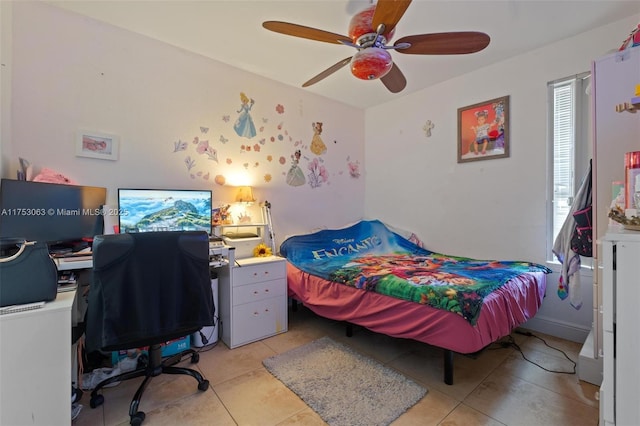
67	287
74	262
76	258
21	308
67	281
69	257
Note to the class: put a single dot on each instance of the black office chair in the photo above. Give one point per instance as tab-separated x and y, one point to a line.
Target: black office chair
147	289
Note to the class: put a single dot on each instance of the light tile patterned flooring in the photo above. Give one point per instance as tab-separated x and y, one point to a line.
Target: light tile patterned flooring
498	387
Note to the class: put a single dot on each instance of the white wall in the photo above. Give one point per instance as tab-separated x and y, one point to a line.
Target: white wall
493	209
71	72
5	81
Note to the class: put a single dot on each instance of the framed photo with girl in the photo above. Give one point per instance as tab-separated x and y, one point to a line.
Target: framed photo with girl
483	130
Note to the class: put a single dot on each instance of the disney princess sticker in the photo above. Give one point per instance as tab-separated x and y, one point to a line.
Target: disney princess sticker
295	176
483	130
97	145
317	145
244	126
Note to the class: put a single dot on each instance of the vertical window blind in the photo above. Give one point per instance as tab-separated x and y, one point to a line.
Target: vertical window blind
563	152
569	122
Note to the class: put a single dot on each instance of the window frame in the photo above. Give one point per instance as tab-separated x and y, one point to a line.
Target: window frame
582	147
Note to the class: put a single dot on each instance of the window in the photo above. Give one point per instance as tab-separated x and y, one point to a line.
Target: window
570	147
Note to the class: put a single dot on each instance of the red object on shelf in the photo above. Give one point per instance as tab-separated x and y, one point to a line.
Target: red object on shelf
631	170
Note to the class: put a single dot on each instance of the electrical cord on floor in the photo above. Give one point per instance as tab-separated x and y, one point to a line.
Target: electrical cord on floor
511	343
205	341
207	348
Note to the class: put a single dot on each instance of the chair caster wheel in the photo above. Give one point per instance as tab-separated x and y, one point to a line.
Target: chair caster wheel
137	418
204	385
195	357
143	361
96	401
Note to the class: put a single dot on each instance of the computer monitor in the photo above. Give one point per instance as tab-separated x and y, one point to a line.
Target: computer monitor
145	210
57	214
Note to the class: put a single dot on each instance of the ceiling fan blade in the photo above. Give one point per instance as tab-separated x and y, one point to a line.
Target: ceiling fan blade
305	32
394	80
326	73
455	43
389	12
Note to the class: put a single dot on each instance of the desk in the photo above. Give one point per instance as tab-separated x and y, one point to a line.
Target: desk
83	266
35	364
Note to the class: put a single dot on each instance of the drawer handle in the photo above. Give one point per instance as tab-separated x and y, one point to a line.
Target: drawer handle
266	310
255	314
255	292
266	272
266	290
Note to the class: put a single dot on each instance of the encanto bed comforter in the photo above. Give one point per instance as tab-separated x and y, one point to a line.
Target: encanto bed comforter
370	257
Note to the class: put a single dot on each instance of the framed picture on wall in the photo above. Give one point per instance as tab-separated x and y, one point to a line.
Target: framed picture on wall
97	145
483	130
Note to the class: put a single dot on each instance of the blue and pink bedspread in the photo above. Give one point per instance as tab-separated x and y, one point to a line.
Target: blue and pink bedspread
371	257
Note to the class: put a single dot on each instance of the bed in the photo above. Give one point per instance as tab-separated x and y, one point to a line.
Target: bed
368	275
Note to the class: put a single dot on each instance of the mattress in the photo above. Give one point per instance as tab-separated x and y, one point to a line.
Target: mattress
504	309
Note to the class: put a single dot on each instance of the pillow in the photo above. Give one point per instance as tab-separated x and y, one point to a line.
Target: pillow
406	234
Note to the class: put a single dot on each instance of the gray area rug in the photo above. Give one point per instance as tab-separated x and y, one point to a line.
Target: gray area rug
342	386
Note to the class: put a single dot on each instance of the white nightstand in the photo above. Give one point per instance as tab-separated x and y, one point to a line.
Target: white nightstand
253	300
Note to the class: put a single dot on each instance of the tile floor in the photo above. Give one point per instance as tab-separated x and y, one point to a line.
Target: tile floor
498	387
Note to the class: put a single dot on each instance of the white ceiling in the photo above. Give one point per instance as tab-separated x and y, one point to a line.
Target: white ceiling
231	32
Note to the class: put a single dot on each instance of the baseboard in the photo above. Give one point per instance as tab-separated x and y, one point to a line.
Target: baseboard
558	329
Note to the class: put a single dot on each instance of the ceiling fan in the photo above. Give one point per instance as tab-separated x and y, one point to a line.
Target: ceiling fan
369	32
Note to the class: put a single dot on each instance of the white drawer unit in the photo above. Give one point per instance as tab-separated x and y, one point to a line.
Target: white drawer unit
257	292
621	345
253	300
36	358
258	269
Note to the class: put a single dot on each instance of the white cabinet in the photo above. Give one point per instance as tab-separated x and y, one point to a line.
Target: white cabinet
253	300
614	77
253	290
621	316
35	364
615	133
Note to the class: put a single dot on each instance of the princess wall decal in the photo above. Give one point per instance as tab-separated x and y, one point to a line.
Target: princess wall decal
244	126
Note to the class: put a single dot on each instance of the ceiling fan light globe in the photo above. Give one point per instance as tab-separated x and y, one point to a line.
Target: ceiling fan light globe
360	25
371	63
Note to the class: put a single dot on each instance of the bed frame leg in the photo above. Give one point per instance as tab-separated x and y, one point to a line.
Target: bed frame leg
448	366
349	330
